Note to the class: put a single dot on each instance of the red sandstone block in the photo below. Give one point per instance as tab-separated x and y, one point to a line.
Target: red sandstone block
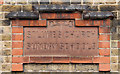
104	52
104	67
17	44
20	59
104	29
61	60
104	44
40	59
104	37
17	37
42	23
101	60
17	29
17	67
17	51
81	60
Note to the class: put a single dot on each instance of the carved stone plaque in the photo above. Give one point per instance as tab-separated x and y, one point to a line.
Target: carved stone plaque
61	38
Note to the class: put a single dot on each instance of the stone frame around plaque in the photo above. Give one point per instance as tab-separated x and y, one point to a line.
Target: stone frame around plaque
18	39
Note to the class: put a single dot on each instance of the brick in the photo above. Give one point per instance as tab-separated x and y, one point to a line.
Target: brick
34	23
6	52
104	67
20	59
17	67
114	52
6	37
1	1
60	15
104	37
27	8
108	7
61	60
104	52
17	37
42	23
104	29
17	29
114	59
23	23
119	44
101	60
11	8
40	59
104	44
17	51
81	60
60	1
114	67
17	44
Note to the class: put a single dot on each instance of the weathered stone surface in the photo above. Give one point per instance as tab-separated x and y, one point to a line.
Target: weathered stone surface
22	15
6	67
114	59
7	45
1	15
98	2
114	52
1	60
6	52
114	67
59	8
60	1
27	8
76	1
97	15
108	7
44	1
119	30
11	8
6	37
22	1
7	1
0	37
1	30
93	8
115	36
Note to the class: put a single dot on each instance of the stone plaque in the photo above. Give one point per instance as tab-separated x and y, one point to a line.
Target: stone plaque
61	38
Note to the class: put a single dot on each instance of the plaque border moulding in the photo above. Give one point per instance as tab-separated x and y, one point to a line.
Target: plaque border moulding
19	59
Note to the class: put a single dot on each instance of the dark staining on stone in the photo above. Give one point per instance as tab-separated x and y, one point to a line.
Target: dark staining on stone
92	8
97	15
75	1
60	1
33	1
23	15
108	7
44	1
59	8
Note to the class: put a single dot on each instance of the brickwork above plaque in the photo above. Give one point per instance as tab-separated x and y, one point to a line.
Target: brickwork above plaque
61	38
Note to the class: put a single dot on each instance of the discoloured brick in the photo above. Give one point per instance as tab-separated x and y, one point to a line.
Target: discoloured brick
7	60
60	1
114	59
10	8
7	45
6	52
6	37
27	8
6	67
114	52
114	67
86	67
